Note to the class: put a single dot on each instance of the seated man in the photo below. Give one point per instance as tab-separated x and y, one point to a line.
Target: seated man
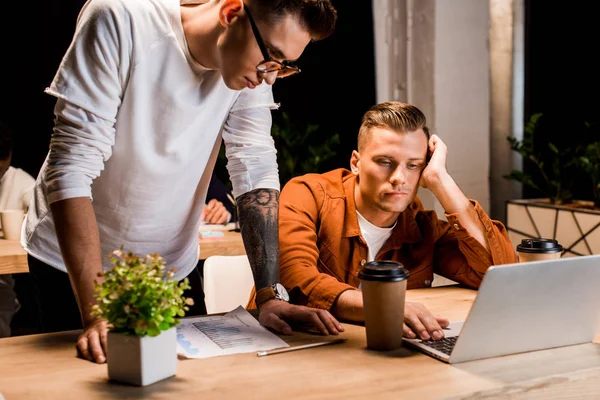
331	224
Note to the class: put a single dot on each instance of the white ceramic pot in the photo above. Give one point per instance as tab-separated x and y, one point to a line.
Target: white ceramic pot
143	360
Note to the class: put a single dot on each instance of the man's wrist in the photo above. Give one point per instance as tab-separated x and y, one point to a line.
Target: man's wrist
275	291
447	192
439	182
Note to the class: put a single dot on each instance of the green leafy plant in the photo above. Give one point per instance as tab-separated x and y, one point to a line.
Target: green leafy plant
554	166
138	296
589	162
301	148
558	167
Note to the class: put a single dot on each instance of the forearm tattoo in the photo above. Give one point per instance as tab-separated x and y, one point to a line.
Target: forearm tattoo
258	216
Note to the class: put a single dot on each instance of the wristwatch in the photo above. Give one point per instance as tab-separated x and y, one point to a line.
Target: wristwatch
275	291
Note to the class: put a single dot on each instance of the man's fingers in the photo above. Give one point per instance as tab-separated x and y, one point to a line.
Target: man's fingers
332	324
431	324
337	324
276	323
444	322
330	327
215	211
321	320
221	216
408	332
413	320
82	346
95	348
218	215
211	204
210	214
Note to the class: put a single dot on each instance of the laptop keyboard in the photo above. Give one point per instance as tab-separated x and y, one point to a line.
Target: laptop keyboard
444	345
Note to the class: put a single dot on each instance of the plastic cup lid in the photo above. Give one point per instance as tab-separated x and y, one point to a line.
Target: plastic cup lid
384	271
539	246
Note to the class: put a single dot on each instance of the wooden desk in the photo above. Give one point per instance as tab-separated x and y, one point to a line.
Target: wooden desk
13	259
44	366
230	245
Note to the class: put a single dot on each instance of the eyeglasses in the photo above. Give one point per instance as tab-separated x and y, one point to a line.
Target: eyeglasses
268	65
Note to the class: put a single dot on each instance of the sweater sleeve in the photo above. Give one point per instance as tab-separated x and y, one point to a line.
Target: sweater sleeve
460	257
299	253
249	146
89	86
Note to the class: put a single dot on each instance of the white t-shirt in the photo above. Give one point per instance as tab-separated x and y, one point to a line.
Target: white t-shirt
139	126
16	188
373	235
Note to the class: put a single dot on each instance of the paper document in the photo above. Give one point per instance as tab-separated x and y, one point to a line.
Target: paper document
216	227
235	332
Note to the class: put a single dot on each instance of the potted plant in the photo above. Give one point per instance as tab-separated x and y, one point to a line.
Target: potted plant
142	305
555	170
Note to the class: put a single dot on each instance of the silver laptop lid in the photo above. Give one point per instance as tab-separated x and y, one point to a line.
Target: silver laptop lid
532	306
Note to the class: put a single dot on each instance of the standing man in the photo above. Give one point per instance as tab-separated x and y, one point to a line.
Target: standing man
145	93
333	223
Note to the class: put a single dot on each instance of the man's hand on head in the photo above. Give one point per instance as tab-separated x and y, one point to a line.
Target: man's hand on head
435	170
276	314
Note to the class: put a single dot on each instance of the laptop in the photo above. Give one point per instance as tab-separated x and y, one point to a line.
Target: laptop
525	307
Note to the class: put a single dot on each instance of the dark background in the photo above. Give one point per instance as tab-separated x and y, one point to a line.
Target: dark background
322	94
337	83
562	76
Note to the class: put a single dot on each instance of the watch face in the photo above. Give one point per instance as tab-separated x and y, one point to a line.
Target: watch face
282	292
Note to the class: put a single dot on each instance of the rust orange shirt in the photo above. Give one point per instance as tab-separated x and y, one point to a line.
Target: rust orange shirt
322	250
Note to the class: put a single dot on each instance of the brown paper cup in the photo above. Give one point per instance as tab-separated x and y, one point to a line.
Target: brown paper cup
527	257
384	314
383	286
539	249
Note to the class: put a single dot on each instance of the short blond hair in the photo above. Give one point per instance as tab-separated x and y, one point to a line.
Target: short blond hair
395	115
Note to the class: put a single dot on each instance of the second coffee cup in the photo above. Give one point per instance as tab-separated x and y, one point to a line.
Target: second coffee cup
383	286
539	249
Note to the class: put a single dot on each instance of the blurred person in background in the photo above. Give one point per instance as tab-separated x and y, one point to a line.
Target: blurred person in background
16	187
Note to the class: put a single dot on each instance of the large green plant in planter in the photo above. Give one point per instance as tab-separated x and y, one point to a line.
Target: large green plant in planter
589	162
556	167
142	304
559	166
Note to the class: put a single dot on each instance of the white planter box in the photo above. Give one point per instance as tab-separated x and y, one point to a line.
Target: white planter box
577	229
143	360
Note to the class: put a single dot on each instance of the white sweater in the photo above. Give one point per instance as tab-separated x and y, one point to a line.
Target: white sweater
16	188
138	128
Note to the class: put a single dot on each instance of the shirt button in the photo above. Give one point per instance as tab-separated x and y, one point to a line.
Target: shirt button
363	262
427	282
456	227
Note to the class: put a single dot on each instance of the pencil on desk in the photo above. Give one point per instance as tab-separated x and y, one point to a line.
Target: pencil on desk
300	347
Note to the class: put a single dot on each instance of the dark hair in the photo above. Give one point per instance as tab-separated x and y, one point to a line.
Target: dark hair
6	141
394	115
318	17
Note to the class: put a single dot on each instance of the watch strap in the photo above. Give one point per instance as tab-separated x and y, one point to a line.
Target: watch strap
264	294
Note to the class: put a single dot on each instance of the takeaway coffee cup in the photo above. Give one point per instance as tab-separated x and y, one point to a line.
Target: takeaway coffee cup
539	250
11	221
383	286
